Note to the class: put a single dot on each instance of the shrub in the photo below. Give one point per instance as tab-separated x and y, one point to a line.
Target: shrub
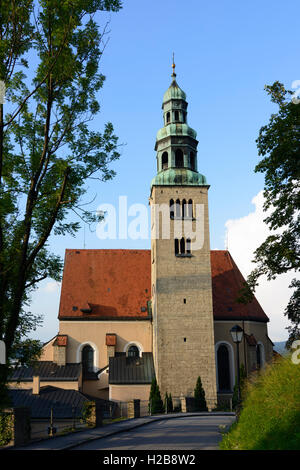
155	402
270	417
199	395
6	432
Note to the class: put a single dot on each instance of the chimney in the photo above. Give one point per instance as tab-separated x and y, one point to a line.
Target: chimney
60	350
111	342
36	385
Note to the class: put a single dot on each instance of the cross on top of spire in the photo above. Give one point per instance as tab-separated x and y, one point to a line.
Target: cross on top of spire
173	67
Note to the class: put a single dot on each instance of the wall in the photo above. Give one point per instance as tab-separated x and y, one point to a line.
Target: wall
258	329
129	392
94	332
183	342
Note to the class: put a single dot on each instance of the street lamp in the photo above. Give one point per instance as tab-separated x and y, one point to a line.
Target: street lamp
237	336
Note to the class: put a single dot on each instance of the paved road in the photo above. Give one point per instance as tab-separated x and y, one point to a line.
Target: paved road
189	433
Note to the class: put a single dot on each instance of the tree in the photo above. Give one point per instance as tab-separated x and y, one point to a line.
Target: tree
199	396
155	402
279	145
47	150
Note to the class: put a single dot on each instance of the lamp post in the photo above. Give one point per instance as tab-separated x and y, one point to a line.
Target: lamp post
237	336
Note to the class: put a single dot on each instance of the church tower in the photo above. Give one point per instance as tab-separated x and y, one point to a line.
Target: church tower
183	331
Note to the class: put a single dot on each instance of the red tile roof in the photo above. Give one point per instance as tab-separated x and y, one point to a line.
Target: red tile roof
117	284
109	283
227	280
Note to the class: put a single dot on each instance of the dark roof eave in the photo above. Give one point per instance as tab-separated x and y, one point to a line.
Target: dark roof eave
45	379
116	382
239	318
90	318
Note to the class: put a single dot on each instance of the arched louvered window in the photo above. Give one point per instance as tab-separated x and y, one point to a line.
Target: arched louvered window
176	246
177	208
176	115
87	360
172	209
192	160
133	351
179	158
168	117
190	208
184	209
164	160
182	246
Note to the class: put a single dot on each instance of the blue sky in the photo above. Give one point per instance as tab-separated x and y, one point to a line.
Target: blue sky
225	52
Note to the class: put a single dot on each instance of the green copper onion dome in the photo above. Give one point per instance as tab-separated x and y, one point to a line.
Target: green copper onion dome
179	177
176	143
176	130
174	92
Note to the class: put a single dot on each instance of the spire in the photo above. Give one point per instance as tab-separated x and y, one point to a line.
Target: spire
173	67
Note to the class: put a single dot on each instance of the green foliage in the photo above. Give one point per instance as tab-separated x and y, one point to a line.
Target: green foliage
47	150
243	376
199	395
6	428
155	402
270	417
87	411
279	146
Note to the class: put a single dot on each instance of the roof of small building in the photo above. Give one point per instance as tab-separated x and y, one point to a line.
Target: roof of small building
131	370
116	284
64	403
47	371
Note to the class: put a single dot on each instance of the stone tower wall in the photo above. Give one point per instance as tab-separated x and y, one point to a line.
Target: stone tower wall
183	333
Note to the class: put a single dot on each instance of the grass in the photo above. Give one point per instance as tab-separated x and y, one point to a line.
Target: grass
270	415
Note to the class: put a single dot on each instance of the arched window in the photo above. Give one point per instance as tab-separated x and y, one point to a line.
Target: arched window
179	158
133	351
190	208
184	209
177	208
171	209
182	246
188	246
223	368
192	160
87	360
176	115
164	160
176	246
184	116
168	117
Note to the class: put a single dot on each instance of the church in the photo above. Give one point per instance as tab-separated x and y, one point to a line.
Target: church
127	316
